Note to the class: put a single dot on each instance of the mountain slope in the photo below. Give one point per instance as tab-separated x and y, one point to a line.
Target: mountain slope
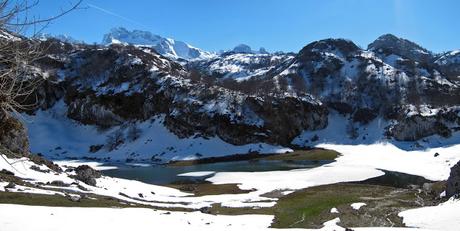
240	99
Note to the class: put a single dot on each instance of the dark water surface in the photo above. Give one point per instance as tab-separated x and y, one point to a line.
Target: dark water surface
161	174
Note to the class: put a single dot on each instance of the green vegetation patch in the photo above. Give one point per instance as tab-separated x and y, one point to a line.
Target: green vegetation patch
316	154
219	209
202	189
61	201
313	154
310	208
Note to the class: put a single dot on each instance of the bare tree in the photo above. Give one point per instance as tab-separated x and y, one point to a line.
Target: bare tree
18	78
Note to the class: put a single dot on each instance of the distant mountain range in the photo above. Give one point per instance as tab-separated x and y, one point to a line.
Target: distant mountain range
168	47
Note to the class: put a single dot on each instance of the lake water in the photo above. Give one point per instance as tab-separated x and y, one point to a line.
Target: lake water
161	174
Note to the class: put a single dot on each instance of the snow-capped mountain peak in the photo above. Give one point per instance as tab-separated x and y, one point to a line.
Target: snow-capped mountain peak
246	49
165	46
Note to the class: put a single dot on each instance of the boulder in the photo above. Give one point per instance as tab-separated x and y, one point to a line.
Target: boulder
87	174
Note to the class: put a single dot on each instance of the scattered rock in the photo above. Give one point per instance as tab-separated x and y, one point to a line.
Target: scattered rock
10	185
82	188
123	195
39	160
58	183
74	198
206	210
38	169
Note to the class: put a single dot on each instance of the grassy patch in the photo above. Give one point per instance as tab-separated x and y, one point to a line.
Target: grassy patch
202	189
313	154
310	208
57	200
219	209
316	154
303	208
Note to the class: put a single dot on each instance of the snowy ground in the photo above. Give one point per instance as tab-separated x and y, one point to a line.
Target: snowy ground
442	217
41	218
155	140
358	162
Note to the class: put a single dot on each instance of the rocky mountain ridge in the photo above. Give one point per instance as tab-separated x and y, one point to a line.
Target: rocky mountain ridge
245	98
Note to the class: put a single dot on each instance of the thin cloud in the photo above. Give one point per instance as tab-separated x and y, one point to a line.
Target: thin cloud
114	14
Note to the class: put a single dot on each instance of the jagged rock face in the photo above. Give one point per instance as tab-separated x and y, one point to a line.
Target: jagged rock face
453	182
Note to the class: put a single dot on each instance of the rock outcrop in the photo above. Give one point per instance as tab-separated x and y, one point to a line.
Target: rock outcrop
13	136
453	182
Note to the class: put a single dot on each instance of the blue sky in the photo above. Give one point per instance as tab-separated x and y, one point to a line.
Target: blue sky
285	25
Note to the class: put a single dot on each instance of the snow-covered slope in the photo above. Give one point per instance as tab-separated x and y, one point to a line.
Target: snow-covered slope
153	141
247	98
165	46
240	66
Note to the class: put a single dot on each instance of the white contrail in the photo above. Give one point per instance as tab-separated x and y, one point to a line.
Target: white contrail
115	14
